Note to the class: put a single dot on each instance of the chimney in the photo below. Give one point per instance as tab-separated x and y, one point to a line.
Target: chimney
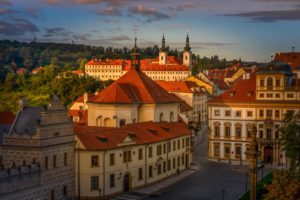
22	103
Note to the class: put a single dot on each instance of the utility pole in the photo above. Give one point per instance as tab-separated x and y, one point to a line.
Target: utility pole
253	154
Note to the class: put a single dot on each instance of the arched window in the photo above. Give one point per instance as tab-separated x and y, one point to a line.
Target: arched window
134	121
171	117
122	122
161	117
269	82
99	121
107	122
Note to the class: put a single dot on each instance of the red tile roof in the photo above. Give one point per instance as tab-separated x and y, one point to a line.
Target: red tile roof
81	114
21	70
243	91
78	72
292	58
81	98
177	86
100	138
134	87
146	64
105	62
7	118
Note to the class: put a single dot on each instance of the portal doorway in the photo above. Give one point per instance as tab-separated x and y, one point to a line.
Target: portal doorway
268	154
127	182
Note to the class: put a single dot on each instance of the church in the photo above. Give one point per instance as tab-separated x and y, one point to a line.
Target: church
163	67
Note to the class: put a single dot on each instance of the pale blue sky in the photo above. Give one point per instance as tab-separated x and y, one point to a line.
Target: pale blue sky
247	29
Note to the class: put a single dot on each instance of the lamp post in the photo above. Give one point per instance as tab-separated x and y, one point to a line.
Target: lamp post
253	154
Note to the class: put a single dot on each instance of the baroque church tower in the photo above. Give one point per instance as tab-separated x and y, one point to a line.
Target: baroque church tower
187	54
163	55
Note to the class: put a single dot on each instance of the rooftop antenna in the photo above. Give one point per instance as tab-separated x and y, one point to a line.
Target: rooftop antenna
293	49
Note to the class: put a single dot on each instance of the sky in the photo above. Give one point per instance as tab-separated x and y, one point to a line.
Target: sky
252	30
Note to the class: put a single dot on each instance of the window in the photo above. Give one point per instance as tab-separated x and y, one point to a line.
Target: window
261	134
187	142
174	145
158	150
54	161
248	133
269	113
140	154
150	152
182	159
238	131
269	95
174	163
276	135
165	148
227	151
164	166
249	113
126	156
65	159
261	113
46	162
217	131
216	150
150	171
94	182
178	161
169	147
262	83
269	82
94	161
52	194
277	95
65	190
112	180
178	144
112	159
227	113
261	95
140	174
227	131
277	82
169	165
290	95
238	152
159	169
269	134
217	112
238	113
277	113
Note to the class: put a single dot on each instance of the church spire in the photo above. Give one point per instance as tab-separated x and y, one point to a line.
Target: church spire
135	56
187	43
163	43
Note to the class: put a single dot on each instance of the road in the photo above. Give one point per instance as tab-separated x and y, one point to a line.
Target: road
213	181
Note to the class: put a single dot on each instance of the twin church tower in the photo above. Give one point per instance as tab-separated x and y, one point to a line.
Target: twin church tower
187	54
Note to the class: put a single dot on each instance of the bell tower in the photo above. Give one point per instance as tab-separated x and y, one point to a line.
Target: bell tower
187	54
163	55
135	57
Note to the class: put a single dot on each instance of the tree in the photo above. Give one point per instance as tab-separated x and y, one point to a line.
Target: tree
9	82
82	64
284	186
290	139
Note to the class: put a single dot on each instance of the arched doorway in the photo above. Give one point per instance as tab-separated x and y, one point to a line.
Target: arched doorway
127	182
107	122
161	117
268	154
171	117
99	121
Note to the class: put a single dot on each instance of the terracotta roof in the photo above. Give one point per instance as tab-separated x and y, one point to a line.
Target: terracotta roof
7	117
21	70
81	98
185	107
177	86
100	138
221	84
81	114
105	62
243	91
78	72
291	58
134	87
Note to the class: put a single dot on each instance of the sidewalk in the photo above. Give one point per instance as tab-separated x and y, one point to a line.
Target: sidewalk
169	181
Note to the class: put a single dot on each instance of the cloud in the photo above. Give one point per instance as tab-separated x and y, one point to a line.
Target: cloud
56	31
119	38
109	11
151	13
81	36
17	27
181	7
5	2
87	2
269	16
52	2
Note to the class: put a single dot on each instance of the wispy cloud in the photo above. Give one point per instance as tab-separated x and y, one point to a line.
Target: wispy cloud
181	7
56	32
150	13
109	11
17	27
5	2
269	16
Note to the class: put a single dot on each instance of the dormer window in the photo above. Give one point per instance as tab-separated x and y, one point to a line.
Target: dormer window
269	82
